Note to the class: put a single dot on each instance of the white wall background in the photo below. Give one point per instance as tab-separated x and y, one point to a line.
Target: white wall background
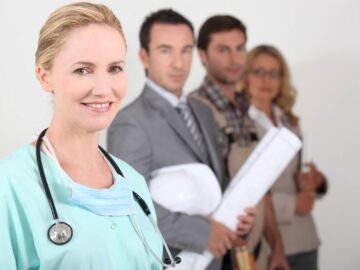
321	41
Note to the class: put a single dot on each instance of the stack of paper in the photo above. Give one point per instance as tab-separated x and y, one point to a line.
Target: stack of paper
265	164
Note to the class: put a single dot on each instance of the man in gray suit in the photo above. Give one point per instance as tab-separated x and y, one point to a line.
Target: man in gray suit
150	133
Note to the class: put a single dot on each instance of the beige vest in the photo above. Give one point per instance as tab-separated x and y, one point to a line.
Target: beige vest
236	158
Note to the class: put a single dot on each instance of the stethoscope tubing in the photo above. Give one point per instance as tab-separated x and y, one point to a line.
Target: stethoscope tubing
143	205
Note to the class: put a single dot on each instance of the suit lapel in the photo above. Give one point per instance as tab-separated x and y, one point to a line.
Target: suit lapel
201	117
172	117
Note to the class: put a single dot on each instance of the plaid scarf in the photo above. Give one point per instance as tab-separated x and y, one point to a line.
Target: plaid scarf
235	113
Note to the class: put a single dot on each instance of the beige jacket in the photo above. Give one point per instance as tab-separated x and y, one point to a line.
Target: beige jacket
298	232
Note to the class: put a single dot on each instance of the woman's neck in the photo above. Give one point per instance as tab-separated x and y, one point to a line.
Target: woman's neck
266	107
78	154
70	144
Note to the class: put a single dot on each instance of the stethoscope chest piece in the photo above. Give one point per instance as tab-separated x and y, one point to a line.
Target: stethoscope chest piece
60	233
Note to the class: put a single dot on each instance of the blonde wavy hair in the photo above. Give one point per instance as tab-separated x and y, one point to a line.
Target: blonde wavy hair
65	19
287	95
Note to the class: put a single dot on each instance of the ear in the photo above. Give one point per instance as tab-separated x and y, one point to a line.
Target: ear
202	56
43	76
144	57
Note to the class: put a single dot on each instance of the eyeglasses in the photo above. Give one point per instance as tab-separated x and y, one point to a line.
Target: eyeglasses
261	73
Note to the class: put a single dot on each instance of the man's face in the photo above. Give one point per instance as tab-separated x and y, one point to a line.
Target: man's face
168	60
225	56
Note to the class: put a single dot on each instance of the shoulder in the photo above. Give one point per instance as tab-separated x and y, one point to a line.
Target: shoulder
206	110
136	111
17	167
130	116
196	95
293	127
130	110
129	172
18	160
198	102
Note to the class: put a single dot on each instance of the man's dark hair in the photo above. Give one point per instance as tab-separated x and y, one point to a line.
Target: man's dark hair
162	16
215	24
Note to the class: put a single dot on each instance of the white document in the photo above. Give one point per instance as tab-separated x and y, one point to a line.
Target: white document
265	164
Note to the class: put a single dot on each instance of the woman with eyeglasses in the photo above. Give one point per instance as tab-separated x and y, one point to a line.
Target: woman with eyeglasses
272	96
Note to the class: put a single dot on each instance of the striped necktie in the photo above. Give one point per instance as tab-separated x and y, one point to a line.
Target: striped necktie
190	122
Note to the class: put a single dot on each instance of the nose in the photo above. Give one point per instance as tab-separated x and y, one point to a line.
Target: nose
266	77
236	56
102	85
177	60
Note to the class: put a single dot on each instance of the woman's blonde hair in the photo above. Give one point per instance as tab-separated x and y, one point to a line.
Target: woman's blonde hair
65	19
287	95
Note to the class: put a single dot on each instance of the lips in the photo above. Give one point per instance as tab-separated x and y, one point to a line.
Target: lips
265	89
98	106
177	77
235	70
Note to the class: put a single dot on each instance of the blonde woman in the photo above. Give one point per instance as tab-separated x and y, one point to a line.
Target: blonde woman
65	203
267	83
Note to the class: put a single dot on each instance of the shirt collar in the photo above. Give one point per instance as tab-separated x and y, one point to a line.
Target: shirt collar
170	97
262	119
212	91
215	94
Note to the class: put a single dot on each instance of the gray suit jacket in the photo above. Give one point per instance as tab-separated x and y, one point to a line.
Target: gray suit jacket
150	134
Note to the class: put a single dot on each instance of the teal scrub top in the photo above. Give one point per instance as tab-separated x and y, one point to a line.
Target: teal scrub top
98	242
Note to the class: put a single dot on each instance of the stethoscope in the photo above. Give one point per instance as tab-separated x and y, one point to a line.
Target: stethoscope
61	232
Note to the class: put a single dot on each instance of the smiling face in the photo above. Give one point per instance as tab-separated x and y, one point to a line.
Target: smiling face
87	78
168	60
225	56
264	79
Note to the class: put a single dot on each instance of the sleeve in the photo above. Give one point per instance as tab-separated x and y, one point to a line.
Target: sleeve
7	246
128	141
323	188
181	231
284	206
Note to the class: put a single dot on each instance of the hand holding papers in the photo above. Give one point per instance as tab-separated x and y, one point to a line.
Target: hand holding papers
258	174
253	180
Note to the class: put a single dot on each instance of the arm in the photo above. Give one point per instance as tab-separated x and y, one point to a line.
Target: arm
312	181
285	204
7	252
272	235
289	205
128	141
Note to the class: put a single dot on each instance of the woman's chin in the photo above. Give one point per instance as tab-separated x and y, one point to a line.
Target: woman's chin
96	126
